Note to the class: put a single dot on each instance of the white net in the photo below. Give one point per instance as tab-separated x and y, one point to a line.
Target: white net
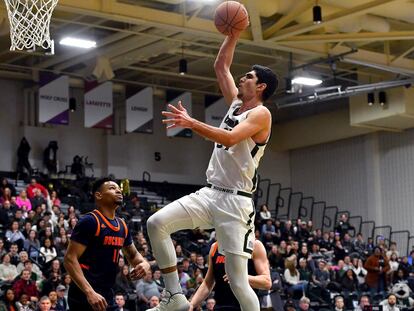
29	23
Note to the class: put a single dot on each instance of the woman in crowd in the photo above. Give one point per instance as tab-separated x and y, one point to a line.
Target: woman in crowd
48	251
14	235
8	303
6	195
264	214
123	282
54	200
8	272
23	200
292	277
32	244
5	184
360	272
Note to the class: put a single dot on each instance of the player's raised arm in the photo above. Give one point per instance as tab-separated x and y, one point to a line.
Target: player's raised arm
222	68
72	266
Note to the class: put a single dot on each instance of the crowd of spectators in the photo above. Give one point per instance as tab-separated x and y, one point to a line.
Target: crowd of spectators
337	269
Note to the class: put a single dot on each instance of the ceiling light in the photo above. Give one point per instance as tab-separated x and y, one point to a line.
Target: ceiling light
306	81
317	14
371	99
79	43
382	98
183	66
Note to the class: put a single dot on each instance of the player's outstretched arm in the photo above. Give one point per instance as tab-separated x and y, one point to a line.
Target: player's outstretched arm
222	68
135	259
206	286
262	280
259	119
72	266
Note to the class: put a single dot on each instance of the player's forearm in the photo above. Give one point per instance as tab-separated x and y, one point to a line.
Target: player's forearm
201	294
212	133
226	53
72	266
260	281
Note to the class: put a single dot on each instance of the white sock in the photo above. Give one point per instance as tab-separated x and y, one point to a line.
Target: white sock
172	283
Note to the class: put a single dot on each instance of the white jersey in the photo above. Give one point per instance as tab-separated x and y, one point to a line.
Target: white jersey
235	167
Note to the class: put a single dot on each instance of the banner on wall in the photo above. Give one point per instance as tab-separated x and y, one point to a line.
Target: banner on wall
215	110
140	112
185	99
98	105
53	99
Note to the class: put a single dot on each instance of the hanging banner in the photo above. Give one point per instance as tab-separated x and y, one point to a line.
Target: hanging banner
216	110
140	112
54	99
185	99
98	105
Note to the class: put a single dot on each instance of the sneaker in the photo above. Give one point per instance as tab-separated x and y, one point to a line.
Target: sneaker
174	302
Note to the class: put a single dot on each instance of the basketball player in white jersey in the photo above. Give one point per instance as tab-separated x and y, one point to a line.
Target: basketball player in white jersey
226	202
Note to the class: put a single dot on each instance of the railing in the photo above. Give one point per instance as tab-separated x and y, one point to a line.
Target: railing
284	203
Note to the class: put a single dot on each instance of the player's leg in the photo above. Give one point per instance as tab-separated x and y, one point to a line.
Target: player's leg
236	270
160	226
172	218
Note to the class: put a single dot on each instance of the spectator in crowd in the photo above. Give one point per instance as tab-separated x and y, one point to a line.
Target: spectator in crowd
38	200
392	250
33	186
45	304
14	254
54	200
362	303
123	282
390	304
5	195
26	286
50	157
14	235
7	271
377	267
77	168
154	302
360	272
343	225
4	184
22	200
6	214
24	259
32	245
157	277
339	303
120	302
146	288
292	277
48	251
54	301
8	302
210	304
304	304
24	304
264	213
183	277
61	300
23	157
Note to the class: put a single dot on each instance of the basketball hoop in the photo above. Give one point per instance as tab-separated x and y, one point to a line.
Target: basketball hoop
29	24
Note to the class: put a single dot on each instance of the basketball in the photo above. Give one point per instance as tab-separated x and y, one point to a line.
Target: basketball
231	17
